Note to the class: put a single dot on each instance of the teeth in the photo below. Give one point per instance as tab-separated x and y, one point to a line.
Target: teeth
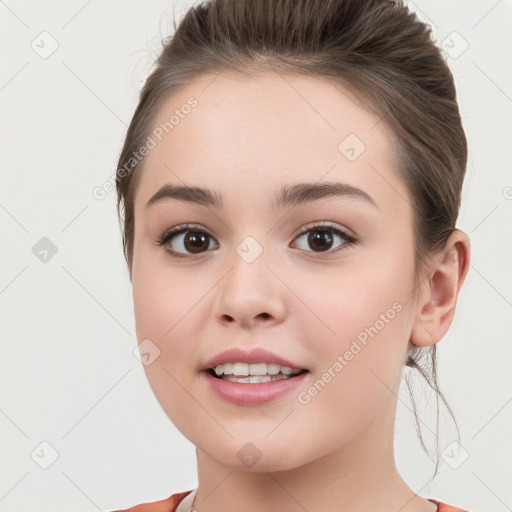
253	379
228	368
274	369
257	369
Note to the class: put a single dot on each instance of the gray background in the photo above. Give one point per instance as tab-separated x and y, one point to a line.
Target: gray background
74	398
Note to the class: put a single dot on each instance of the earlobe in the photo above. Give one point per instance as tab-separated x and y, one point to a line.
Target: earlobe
437	299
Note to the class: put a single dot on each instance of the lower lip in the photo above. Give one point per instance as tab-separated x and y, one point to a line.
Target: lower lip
252	394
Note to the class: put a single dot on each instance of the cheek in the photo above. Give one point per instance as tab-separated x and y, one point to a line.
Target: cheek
361	339
363	302
168	308
169	311
163	298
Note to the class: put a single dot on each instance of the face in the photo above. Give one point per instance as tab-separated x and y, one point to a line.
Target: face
325	283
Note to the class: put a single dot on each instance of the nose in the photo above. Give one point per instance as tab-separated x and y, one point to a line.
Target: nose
250	293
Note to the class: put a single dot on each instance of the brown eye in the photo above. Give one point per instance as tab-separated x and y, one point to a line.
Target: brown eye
321	238
184	241
194	241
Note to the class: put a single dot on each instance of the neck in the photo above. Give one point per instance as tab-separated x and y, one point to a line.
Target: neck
359	476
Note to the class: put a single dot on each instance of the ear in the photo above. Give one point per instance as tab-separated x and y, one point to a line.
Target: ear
439	291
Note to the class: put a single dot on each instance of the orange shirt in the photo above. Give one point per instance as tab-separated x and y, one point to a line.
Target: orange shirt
171	503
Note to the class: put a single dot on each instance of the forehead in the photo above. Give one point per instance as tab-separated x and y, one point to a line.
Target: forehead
252	135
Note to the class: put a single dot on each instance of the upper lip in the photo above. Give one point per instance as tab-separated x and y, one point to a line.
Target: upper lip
249	356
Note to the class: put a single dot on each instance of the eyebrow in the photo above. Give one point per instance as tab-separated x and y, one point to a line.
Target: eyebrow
288	196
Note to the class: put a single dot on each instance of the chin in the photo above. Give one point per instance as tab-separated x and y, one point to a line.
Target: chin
258	455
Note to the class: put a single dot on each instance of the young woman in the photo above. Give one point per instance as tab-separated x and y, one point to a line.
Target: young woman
289	189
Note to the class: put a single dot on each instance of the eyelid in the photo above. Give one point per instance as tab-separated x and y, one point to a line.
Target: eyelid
324	224
183	227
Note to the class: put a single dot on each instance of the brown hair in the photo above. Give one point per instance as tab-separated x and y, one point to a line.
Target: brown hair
377	49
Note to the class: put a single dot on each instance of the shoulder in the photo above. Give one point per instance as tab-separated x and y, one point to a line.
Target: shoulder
444	507
166	505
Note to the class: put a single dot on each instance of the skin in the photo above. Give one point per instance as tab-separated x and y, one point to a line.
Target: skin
246	139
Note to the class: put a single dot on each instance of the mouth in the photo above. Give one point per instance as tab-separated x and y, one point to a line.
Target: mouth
253	390
242	373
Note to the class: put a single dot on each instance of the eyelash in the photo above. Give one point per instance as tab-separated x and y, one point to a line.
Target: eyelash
325	226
